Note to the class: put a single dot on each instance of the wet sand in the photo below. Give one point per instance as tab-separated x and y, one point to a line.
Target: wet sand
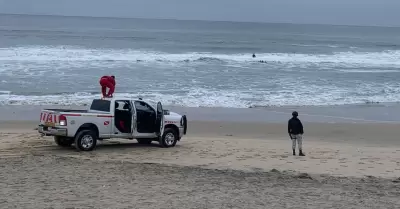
372	113
218	165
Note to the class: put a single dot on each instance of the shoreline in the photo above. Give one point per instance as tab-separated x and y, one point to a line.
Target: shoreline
345	150
351	134
245	139
374	113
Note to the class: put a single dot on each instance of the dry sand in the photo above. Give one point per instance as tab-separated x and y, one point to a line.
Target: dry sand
218	165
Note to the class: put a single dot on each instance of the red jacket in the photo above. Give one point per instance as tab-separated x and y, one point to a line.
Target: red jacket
109	79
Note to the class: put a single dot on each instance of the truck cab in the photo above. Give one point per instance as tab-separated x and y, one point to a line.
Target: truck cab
114	118
130	118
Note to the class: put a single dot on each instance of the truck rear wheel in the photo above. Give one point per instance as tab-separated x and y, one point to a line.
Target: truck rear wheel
63	141
169	138
85	140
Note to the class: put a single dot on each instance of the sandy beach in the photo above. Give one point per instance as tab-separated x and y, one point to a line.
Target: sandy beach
218	165
237	70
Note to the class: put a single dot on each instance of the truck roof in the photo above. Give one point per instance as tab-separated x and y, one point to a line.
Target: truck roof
120	98
103	104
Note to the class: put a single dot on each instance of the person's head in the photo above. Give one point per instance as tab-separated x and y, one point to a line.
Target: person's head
113	77
295	114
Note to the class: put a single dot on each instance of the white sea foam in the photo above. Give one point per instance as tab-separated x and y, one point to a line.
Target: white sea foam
369	71
23	67
76	56
203	98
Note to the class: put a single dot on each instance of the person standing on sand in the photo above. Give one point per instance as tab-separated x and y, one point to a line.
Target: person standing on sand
295	130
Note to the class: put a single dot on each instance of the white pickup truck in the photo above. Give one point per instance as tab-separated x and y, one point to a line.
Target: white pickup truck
113	118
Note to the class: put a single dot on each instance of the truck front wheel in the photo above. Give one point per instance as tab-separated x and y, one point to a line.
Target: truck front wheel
63	141
169	138
85	140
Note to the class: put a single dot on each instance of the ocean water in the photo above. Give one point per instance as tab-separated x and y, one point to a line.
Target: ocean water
48	60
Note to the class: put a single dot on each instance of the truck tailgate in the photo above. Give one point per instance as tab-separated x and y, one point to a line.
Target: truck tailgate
49	118
50	123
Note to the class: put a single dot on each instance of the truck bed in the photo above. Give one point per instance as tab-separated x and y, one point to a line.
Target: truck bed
68	110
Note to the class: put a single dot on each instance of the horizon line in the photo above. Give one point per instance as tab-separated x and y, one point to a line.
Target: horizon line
197	20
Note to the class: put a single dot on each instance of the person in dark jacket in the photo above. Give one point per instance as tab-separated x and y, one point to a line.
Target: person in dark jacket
107	82
295	130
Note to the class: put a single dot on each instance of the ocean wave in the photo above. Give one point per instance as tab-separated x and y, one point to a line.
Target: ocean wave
316	45
209	59
68	54
368	71
205	98
5	92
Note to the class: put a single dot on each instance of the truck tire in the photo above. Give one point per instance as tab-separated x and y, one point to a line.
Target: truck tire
63	141
184	118
144	141
85	140
169	138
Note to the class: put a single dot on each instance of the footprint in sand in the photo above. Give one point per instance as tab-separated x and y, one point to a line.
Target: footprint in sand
257	169
279	156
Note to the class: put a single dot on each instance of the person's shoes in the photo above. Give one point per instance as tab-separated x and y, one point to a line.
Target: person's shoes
301	153
294	152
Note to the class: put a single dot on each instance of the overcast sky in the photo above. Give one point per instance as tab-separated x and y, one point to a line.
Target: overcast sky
348	12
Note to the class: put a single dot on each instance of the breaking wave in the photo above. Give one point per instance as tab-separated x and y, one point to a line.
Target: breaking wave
201	98
243	85
65	54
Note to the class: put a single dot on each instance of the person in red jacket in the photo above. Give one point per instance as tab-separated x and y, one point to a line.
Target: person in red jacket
107	82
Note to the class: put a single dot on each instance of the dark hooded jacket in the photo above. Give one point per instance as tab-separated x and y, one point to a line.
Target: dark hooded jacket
295	126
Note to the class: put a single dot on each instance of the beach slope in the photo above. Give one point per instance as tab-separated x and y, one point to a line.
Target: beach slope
218	165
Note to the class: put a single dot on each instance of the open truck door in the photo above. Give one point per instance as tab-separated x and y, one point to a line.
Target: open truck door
160	120
134	119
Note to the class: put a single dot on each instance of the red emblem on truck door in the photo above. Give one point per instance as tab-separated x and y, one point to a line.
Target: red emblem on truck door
106	123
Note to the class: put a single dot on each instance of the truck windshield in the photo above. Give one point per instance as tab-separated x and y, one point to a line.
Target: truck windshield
100	105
